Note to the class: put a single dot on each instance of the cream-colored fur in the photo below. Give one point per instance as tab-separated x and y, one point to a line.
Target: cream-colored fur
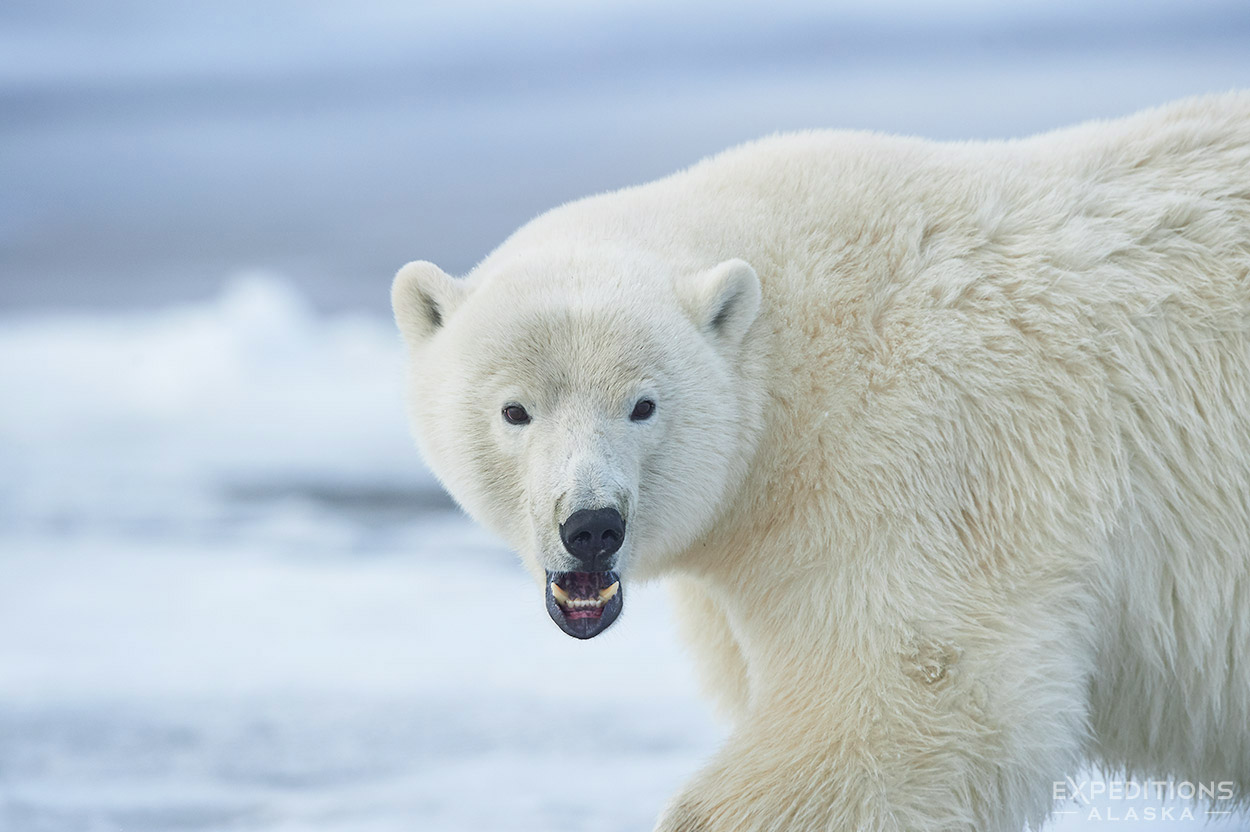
975	506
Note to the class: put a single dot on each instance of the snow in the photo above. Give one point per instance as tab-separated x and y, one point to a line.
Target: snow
141	420
233	600
147	689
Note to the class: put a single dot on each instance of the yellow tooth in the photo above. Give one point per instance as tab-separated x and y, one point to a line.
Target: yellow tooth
605	595
558	593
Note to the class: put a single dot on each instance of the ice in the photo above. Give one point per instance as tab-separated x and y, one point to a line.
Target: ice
146	689
195	417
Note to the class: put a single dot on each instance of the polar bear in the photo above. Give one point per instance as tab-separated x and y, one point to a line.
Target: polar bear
944	448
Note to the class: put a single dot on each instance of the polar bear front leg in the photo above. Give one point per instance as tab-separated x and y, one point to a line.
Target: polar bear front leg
931	750
763	783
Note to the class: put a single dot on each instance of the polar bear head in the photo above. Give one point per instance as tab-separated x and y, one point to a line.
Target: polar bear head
586	406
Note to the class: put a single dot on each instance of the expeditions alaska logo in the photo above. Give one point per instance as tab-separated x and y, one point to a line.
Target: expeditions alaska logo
1130	800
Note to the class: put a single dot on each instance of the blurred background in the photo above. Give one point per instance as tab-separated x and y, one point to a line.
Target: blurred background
231	598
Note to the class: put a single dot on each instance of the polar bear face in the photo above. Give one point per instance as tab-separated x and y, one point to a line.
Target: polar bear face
588	413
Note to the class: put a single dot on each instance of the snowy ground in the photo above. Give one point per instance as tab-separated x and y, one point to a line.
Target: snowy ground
232	600
148	689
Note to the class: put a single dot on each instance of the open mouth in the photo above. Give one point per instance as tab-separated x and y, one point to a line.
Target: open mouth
584	604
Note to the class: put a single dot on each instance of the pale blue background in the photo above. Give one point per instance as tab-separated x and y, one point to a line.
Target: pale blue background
148	148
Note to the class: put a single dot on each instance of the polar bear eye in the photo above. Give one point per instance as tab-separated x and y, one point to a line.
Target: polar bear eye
515	414
642	410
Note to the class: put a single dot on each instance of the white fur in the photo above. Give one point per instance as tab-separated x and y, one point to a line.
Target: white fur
955	498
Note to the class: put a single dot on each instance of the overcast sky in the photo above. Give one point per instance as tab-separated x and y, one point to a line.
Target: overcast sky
149	150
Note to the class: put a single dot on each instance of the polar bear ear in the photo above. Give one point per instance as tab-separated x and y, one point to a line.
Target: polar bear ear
725	300
422	296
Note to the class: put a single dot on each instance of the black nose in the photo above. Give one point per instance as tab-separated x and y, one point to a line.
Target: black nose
593	536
